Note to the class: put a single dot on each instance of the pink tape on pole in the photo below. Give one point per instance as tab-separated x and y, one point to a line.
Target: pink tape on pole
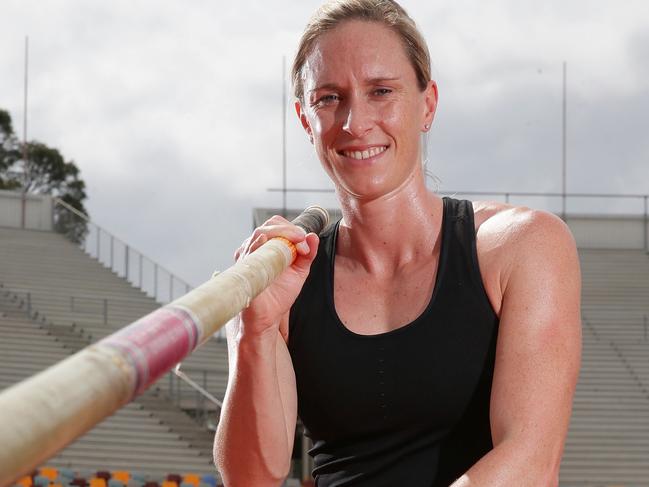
155	343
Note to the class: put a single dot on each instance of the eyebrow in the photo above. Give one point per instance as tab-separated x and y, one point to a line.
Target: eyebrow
370	81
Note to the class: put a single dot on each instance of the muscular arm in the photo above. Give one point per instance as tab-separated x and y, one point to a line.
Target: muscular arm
537	358
254	439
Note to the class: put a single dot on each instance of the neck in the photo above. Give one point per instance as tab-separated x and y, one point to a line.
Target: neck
384	234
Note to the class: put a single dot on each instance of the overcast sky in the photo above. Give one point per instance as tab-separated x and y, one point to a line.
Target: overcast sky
172	109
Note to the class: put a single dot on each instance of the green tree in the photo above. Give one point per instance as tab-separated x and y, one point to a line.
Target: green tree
8	150
45	171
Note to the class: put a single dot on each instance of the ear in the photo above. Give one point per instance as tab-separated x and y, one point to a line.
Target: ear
430	104
303	120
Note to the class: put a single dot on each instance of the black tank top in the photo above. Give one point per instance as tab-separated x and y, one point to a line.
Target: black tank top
406	407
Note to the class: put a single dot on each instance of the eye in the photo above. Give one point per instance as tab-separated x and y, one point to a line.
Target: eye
328	99
382	91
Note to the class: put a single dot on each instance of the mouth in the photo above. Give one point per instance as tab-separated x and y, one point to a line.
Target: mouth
361	155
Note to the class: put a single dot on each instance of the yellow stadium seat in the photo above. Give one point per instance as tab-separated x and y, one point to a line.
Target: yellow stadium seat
192	478
122	476
95	482
26	481
49	472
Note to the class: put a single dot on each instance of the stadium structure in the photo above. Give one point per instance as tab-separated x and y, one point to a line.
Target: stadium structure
58	296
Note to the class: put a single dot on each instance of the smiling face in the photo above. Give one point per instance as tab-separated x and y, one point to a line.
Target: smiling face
363	108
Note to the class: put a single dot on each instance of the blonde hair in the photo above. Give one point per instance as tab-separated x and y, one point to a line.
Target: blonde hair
386	12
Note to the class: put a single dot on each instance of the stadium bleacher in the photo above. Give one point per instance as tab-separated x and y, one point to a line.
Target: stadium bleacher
39	274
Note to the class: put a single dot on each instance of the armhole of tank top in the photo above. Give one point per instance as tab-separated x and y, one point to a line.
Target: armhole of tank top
475	264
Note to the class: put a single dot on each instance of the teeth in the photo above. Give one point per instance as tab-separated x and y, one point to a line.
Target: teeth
366	154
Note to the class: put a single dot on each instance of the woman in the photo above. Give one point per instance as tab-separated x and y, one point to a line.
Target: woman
427	341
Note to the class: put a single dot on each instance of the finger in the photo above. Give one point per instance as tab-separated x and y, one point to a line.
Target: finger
303	261
290	232
258	242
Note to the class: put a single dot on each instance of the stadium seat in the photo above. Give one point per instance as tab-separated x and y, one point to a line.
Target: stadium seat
25	481
79	481
66	475
209	480
97	482
192	479
122	475
116	483
169	483
41	481
174	477
103	474
136	481
151	484
49	472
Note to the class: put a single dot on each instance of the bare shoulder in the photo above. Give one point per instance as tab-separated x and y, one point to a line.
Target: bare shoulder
515	224
509	237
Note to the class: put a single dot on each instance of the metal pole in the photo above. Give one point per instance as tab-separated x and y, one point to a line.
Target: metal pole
23	216
284	136
202	399
126	263
98	241
646	225
563	151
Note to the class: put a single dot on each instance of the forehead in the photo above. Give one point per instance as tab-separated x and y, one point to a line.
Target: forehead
359	49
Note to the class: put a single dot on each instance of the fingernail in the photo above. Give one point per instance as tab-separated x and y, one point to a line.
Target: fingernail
303	247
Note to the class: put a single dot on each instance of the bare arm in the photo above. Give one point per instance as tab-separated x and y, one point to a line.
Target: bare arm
537	358
254	438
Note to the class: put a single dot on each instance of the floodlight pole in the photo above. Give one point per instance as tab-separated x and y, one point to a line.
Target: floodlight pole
563	152
284	136
24	196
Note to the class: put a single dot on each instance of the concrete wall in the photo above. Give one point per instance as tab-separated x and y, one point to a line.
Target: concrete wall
38	210
609	232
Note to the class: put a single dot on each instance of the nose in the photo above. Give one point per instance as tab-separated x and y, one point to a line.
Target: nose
359	118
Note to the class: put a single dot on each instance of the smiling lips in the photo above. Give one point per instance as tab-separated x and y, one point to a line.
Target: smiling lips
364	154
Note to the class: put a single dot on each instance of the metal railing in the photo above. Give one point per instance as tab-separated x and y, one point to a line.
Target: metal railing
562	204
192	393
187	388
117	255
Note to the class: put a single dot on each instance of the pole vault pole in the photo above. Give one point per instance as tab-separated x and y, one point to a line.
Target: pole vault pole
41	415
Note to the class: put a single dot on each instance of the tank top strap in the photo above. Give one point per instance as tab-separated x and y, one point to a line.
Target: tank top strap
461	265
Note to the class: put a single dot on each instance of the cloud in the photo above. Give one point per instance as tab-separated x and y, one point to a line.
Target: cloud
173	110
